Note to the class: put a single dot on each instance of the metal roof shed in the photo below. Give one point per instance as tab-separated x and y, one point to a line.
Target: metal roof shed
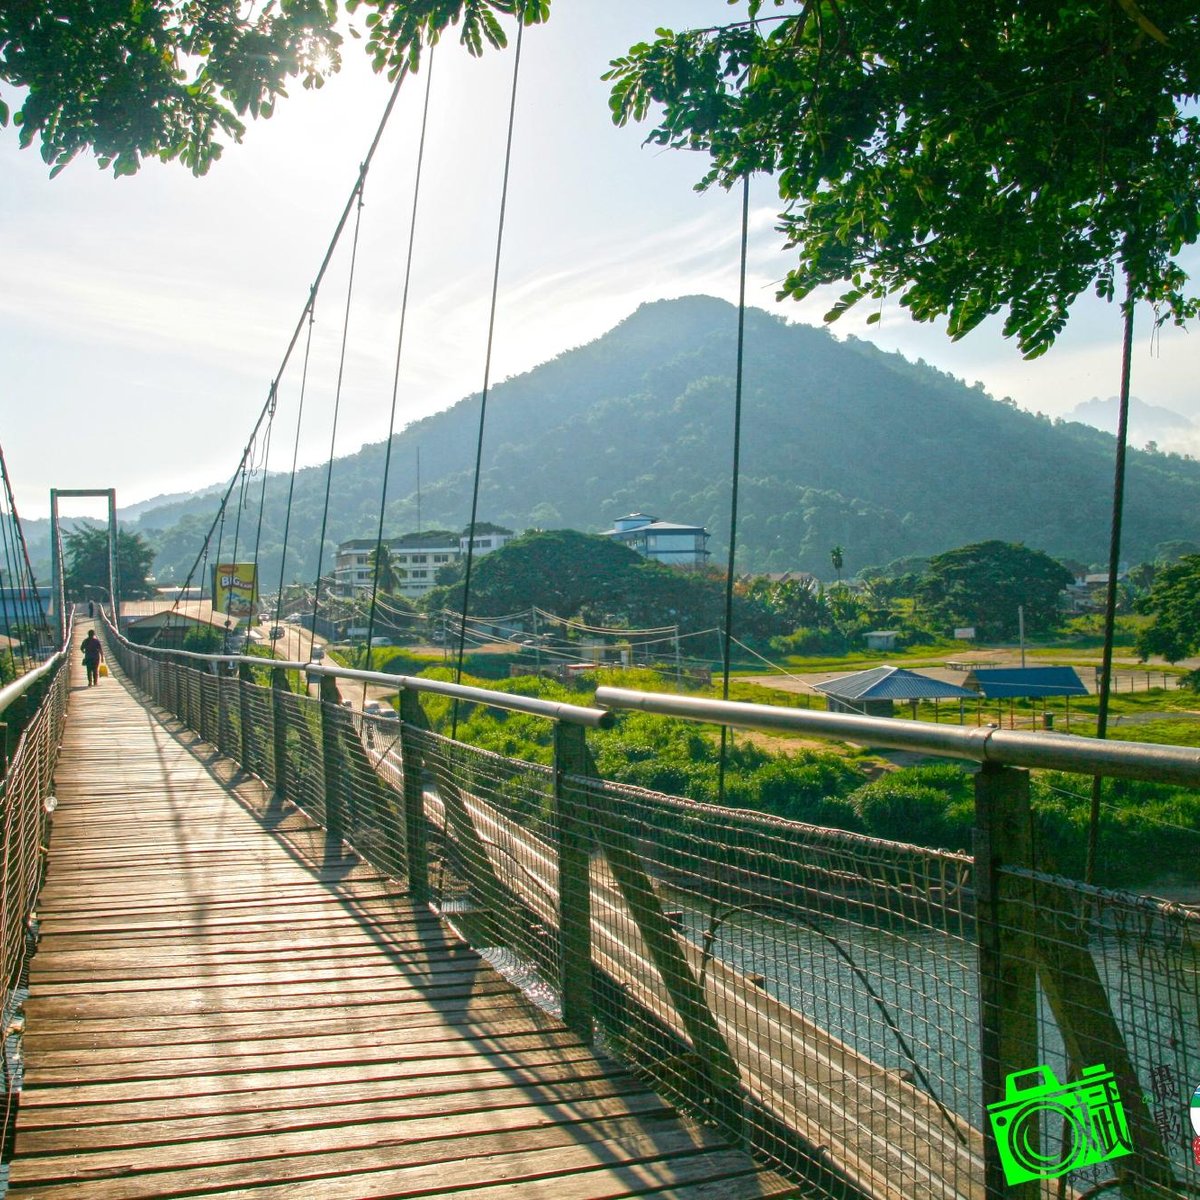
872	692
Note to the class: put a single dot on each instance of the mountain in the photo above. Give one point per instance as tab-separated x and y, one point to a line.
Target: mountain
1147	422
133	512
841	444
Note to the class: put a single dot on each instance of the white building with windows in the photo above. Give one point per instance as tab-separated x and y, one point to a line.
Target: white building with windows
417	558
663	541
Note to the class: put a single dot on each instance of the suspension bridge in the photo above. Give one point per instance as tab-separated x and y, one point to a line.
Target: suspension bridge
261	943
257	942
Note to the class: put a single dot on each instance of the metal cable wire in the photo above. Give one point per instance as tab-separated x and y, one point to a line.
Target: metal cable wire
287	512
305	317
408	260
262	498
337	405
487	361
735	478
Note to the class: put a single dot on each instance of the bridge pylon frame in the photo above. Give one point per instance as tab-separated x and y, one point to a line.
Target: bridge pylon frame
57	571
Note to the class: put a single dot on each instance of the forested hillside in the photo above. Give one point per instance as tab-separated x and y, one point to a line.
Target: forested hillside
842	444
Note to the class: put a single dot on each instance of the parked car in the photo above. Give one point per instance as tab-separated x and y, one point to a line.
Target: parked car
380	710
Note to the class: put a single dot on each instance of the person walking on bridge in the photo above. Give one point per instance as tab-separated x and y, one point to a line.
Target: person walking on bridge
92	654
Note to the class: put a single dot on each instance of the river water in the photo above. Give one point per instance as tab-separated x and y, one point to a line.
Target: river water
843	975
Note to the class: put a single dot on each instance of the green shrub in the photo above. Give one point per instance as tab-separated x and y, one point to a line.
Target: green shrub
928	805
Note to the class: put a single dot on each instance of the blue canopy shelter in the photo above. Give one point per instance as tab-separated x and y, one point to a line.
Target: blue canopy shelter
1028	683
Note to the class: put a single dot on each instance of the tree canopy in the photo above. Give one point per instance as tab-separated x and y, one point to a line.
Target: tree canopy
968	158
161	78
1174	604
582	575
172	79
984	584
87	561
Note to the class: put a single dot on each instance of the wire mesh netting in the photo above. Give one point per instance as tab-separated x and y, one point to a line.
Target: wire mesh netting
370	808
304	773
1115	1022
492	859
829	976
257	726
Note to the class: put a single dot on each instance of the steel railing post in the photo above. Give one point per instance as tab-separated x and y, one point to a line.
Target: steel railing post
201	726
416	850
223	717
574	879
279	728
1008	1004
331	758
245	683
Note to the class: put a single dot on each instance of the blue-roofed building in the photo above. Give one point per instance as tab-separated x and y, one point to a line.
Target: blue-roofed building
872	693
1023	683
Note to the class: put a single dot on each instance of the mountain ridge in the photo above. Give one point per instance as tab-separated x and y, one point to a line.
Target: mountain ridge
842	444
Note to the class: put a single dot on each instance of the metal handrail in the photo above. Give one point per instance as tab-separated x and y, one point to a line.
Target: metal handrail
18	687
168	652
15	690
1048	751
572	714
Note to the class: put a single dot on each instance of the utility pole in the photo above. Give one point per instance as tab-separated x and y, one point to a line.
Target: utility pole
1021	631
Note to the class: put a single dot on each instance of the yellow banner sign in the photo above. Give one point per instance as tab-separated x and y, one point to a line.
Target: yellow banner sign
235	588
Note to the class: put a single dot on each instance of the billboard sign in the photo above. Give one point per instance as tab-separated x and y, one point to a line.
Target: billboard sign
235	588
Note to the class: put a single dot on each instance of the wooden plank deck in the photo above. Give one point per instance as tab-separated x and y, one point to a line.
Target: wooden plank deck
223	1005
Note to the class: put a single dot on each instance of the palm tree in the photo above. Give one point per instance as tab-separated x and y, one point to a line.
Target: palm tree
835	556
387	575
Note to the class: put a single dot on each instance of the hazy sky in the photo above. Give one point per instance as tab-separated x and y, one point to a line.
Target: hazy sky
142	319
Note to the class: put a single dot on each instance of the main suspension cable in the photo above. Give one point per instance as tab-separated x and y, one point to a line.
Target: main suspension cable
306	312
30	599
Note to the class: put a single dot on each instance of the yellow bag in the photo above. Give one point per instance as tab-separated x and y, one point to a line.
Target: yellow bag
102	669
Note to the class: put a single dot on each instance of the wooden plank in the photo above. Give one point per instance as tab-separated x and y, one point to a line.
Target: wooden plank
501	1016
289	1117
422	1167
210	1011
559	1084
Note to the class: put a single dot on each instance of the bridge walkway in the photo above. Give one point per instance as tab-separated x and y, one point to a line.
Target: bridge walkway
222	1004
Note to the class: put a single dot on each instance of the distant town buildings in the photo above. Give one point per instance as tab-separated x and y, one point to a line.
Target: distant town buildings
675	545
417	558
